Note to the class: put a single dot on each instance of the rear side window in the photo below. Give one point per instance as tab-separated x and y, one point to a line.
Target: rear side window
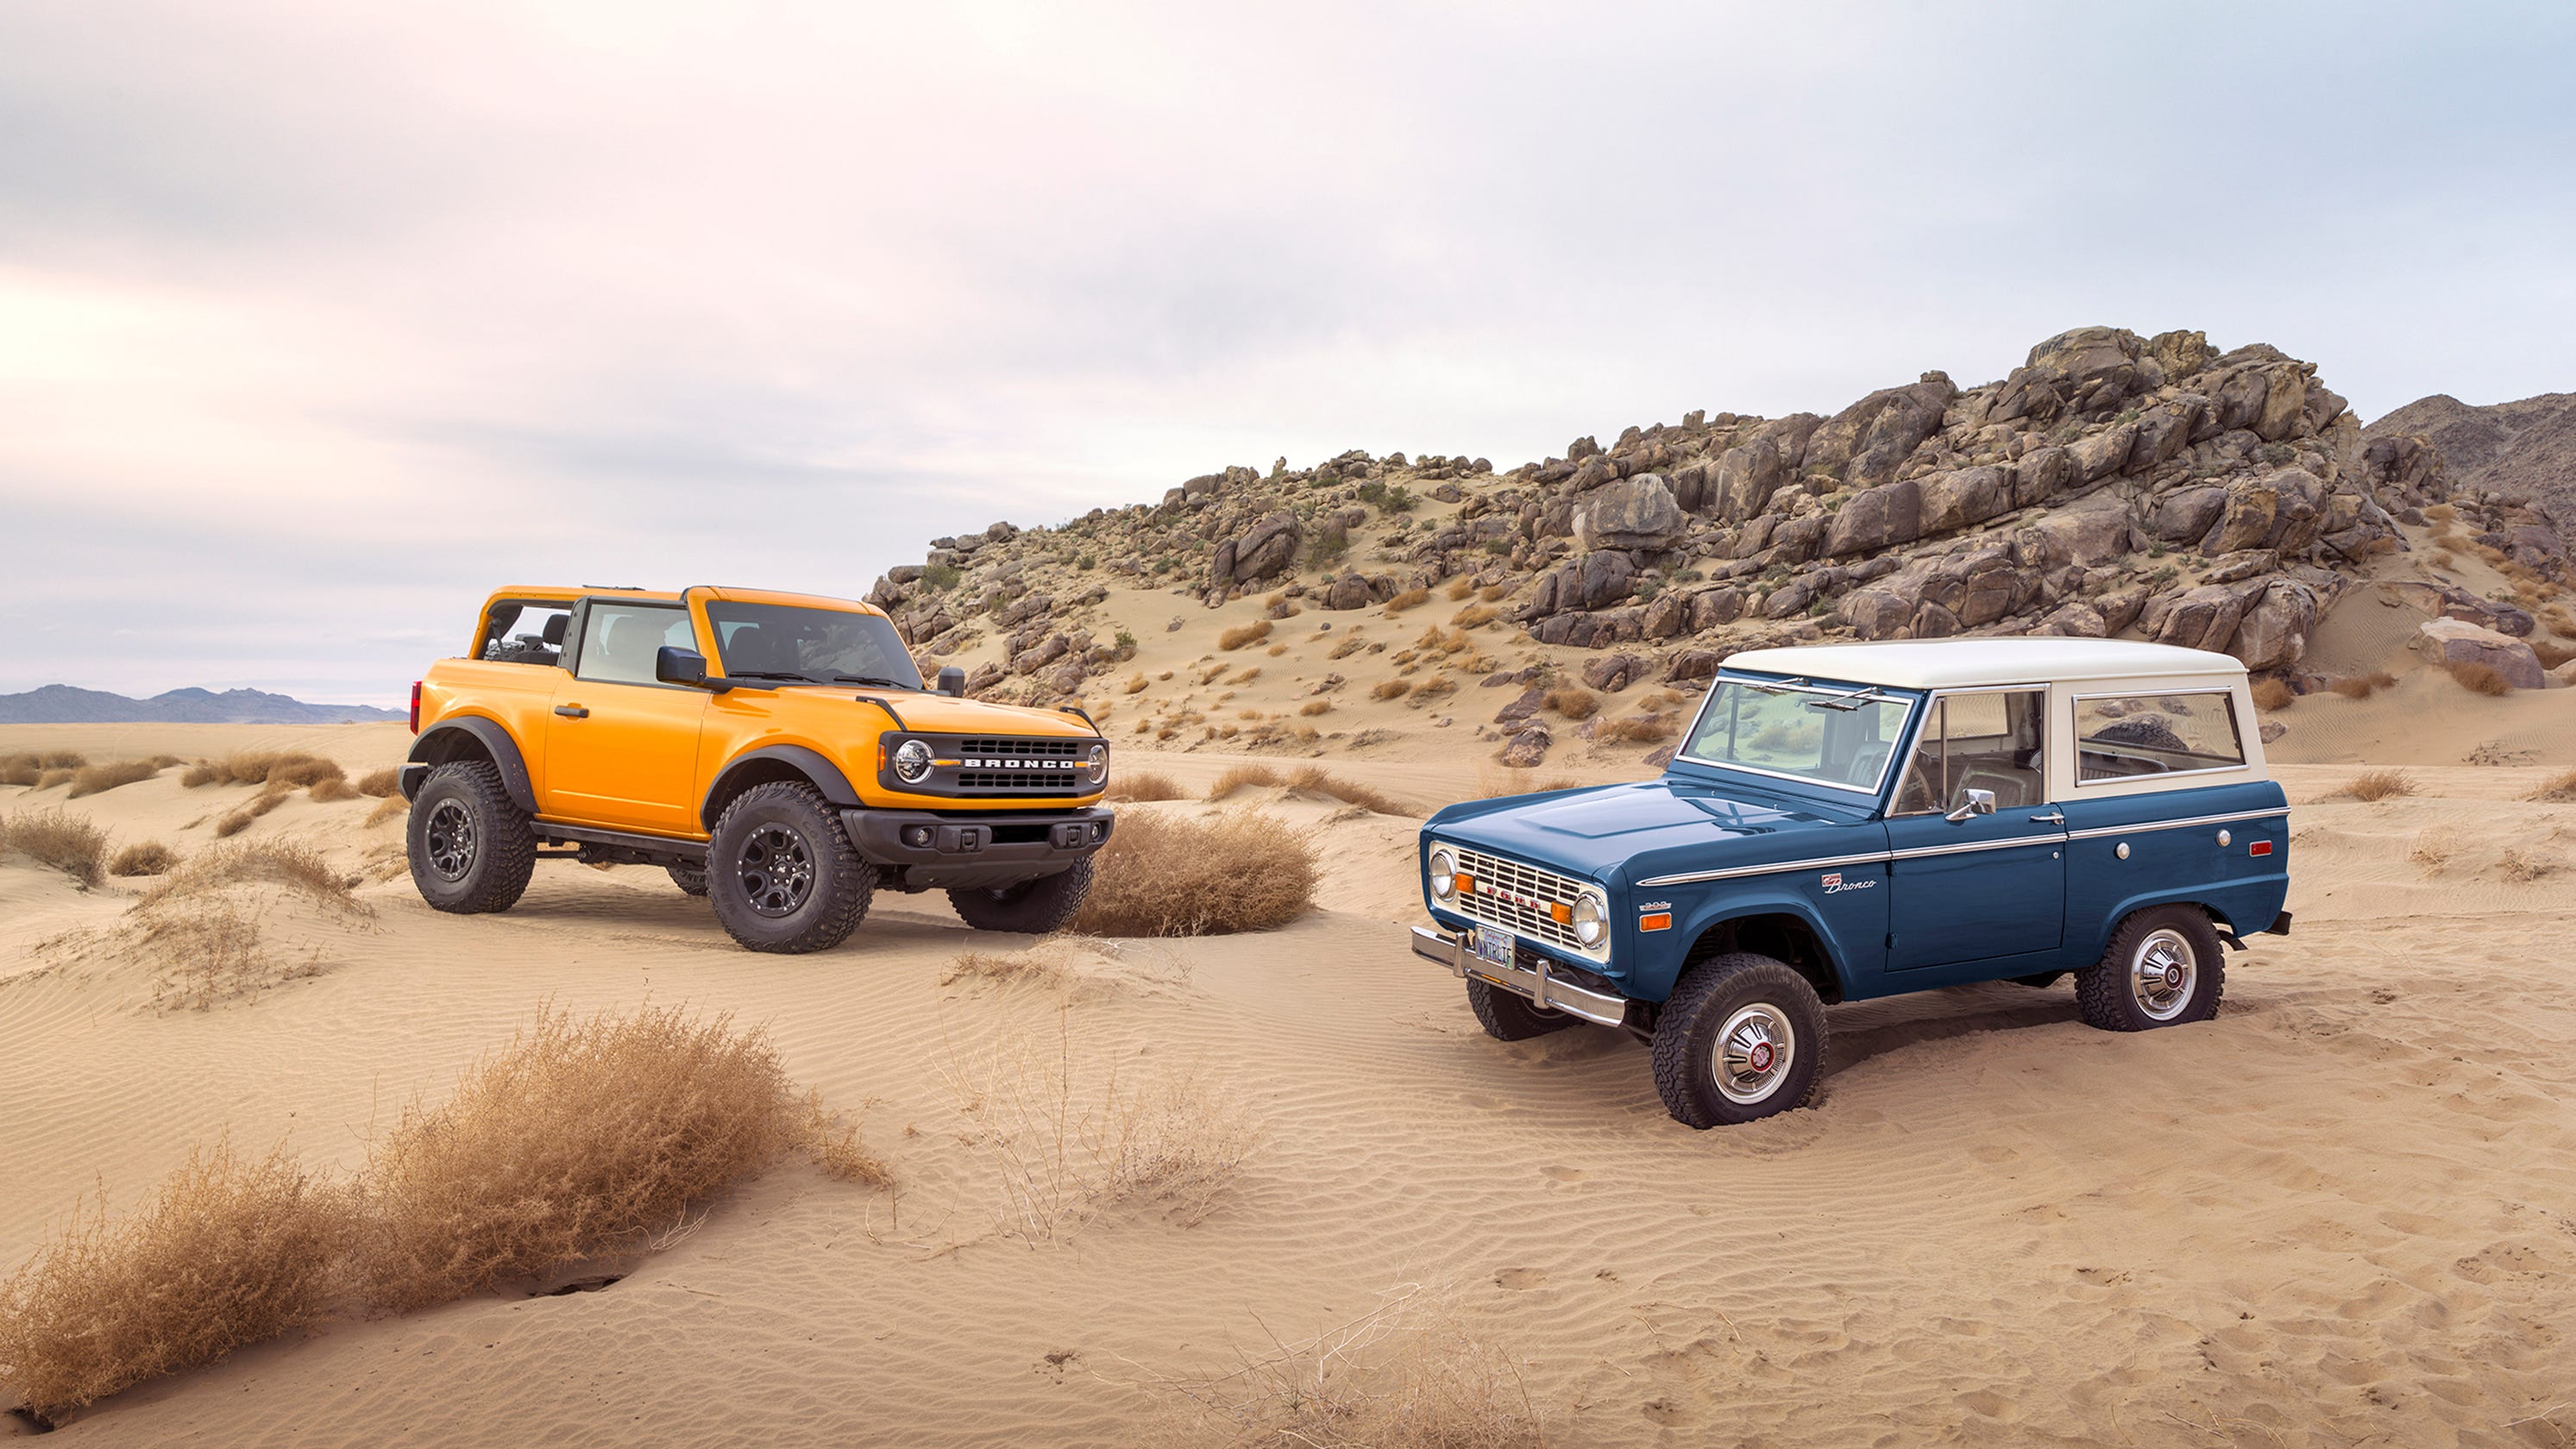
524	632
619	642
2123	737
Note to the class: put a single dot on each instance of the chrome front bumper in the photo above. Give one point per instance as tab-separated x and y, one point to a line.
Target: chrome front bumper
1599	1008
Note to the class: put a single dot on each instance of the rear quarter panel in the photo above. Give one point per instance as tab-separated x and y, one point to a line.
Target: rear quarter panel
516	697
2175	857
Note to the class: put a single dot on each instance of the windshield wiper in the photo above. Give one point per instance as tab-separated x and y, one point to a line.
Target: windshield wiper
769	674
877	680
1867	694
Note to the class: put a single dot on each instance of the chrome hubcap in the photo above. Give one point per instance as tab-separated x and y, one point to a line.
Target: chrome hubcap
1755	1050
777	870
448	840
2162	973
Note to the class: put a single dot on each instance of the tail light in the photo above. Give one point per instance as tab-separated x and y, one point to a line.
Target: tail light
415	706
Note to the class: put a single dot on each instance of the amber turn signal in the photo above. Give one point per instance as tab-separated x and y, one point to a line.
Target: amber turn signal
1659	921
1466	884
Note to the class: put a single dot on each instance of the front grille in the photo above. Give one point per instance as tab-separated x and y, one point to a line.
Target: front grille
1515	897
987	767
1017	782
1066	749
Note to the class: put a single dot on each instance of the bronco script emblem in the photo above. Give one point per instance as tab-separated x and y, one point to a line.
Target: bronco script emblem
1835	884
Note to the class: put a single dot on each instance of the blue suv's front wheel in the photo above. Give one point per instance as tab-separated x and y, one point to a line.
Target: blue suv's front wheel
1742	1038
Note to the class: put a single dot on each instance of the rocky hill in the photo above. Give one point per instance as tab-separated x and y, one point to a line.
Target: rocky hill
2523	449
65	704
2113	485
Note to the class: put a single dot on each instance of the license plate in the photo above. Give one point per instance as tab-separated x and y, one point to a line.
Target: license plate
1493	946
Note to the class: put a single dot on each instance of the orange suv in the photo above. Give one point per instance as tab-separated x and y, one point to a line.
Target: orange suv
777	753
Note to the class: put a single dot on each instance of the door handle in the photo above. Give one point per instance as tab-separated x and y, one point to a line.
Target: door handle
2053	817
572	711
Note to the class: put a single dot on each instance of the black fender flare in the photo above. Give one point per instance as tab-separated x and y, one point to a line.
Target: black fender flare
445	741
824	775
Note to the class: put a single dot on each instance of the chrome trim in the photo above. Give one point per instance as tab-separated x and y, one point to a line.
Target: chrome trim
2144	825
1913	708
1732	872
1973	847
1487	866
1544	990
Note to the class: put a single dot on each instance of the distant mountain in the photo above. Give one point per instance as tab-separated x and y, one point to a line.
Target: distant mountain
2526	447
62	704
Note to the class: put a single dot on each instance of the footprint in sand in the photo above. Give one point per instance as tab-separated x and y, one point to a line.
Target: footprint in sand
1664	1411
1520	1278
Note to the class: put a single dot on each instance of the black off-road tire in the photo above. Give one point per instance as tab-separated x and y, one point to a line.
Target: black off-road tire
1510	1016
2132	988
781	873
1750	1001
1032	907
691	879
471	849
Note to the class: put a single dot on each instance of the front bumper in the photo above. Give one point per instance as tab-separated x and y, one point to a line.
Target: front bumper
924	849
1535	981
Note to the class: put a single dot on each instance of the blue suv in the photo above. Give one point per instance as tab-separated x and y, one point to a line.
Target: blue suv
1854	821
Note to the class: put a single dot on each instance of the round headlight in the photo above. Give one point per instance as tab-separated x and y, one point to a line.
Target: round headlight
1098	766
1444	874
912	761
1591	919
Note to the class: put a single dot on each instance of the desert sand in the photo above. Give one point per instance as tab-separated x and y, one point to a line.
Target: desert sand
2344	1212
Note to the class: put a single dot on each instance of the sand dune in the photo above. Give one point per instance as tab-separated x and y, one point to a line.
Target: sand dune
2337	1214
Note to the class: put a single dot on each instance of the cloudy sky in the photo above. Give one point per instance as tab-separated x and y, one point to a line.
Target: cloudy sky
318	321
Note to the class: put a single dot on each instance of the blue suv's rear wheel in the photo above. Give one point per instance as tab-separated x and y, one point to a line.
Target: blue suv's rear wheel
2162	968
1742	1038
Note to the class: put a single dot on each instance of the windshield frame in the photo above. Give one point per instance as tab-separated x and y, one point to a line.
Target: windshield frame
1899	747
893	640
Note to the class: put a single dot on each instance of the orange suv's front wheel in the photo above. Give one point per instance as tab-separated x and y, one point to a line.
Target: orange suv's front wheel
781	873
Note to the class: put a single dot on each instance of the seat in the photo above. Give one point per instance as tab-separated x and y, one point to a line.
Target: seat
758	647
1868	762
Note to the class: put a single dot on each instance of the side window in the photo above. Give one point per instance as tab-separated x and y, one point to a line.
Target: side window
619	642
1978	742
518	632
2122	737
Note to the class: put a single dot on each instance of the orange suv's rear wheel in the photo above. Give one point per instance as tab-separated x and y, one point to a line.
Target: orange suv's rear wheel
471	850
781	872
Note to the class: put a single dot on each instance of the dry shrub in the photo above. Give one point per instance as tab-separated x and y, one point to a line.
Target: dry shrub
2557	789
1316	780
61	759
1410	598
209	953
2434	848
50	778
1240	777
1431	689
578	1139
1073	1134
2359	686
20	769
291	770
1391	689
1143	784
1404	1376
1139	683
2560	619
1172	875
2441	513
832	1141
383	784
1460	587
2479	678
1573	701
2271	694
333	791
97	779
1242	634
2524	866
144	857
68	843
389	809
1315	707
1495	781
1474	616
1278	649
228	1253
299	868
2378	785
1643	729
269	798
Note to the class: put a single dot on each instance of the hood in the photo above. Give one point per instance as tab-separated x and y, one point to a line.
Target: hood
1648	826
941	714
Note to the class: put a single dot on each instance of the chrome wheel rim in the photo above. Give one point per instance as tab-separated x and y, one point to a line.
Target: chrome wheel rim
448	840
1754	1052
2162	973
777	870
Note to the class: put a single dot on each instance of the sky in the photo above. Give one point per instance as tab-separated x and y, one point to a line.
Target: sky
319	321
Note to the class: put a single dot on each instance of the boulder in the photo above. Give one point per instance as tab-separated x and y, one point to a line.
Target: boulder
2184	515
2281	511
1637	512
2199	616
2085	371
1710	608
2040	474
1865	444
2104	453
2273	633
1964	496
1876	518
2164	431
1612	673
2088	537
1527	748
1348	591
2457	641
2285	403
1586	581
1268	547
1690	664
1667	616
1746	477
2073	619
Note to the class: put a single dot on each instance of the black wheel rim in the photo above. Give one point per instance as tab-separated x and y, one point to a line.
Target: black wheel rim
777	870
448	840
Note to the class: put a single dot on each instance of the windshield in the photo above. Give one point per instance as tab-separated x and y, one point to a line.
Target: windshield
1834	734
826	646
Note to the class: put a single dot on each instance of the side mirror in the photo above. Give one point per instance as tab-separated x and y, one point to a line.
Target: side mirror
1979	802
952	682
674	665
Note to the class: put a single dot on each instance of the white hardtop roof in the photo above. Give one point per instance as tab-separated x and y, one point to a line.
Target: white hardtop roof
1968	663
